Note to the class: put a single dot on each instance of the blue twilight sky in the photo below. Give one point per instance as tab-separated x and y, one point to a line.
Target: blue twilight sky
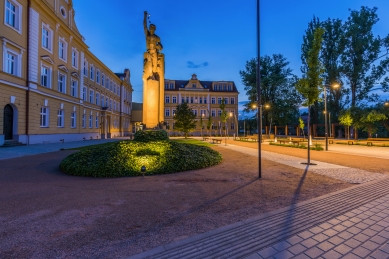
212	38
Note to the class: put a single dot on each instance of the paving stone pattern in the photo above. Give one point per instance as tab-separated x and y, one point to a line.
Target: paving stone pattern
352	222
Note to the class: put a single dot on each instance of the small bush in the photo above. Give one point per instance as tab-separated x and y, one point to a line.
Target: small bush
127	157
151	135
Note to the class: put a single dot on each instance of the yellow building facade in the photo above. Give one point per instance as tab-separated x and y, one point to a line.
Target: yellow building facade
52	88
204	98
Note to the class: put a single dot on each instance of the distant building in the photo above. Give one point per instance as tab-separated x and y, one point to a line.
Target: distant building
204	97
52	88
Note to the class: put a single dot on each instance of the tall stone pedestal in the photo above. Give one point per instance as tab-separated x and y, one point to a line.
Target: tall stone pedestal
151	103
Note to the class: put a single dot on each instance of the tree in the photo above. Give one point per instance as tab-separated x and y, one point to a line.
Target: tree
185	119
224	116
277	81
308	86
369	121
302	126
362	52
346	120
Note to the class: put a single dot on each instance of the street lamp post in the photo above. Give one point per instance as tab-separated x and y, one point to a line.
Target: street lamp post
325	111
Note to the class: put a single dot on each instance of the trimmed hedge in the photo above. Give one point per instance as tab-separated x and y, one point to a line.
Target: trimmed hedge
151	135
127	157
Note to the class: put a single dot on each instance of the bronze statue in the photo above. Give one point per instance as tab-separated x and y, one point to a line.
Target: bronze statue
153	47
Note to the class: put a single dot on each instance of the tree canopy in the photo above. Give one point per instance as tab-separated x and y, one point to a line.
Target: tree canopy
185	119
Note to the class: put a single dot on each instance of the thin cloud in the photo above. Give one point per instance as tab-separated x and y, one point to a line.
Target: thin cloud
190	64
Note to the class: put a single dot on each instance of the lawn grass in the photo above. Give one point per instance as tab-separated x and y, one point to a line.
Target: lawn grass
192	141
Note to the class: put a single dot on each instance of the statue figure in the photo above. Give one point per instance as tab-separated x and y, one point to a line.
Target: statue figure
153	46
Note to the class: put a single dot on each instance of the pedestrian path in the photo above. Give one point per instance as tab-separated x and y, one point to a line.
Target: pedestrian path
351	223
19	151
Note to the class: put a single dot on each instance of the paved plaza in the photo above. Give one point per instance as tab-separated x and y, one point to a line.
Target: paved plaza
350	223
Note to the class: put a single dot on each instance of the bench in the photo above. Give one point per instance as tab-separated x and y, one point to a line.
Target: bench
217	141
205	138
294	142
330	141
283	141
350	142
369	143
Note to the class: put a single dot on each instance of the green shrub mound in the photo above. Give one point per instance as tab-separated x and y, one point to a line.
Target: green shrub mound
127	157
151	135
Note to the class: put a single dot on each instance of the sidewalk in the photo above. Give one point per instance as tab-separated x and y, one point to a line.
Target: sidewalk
352	223
19	151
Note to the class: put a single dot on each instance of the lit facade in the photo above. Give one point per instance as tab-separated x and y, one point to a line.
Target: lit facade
204	98
52	88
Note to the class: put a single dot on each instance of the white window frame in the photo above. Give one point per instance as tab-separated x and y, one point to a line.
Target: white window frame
49	48
213	100
90	121
102	79
63	90
65	49
167	112
18	15
84	93
225	100
232	100
174	99
102	100
213	113
85	70
75	58
167	99
97	98
219	100
91	96
114	88
73	120
49	75
83	121
97	121
61	118
44	117
74	88
18	59
97	76
92	72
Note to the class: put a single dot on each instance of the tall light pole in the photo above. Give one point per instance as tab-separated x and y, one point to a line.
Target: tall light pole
336	85
259	123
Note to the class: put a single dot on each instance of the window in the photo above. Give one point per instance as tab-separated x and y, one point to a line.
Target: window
97	99
92	72
60	119
97	76
213	100
232	100
114	105
191	100
61	83
84	93
201	100
213	113
194	112
84	120
91	96
214	87
11	63
187	99
225	100
74	58
90	121
167	112
74	88
193	85
85	68
219	113
232	126
106	102
219	100
114	88
167	99
229	87
171	86
13	15
47	37
225	87
173	112
46	76
203	113
97	121
111	86
102	100
205	100
44	117
62	49
174	99
220	87
102	79
107	83
182	100
166	85
73	120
